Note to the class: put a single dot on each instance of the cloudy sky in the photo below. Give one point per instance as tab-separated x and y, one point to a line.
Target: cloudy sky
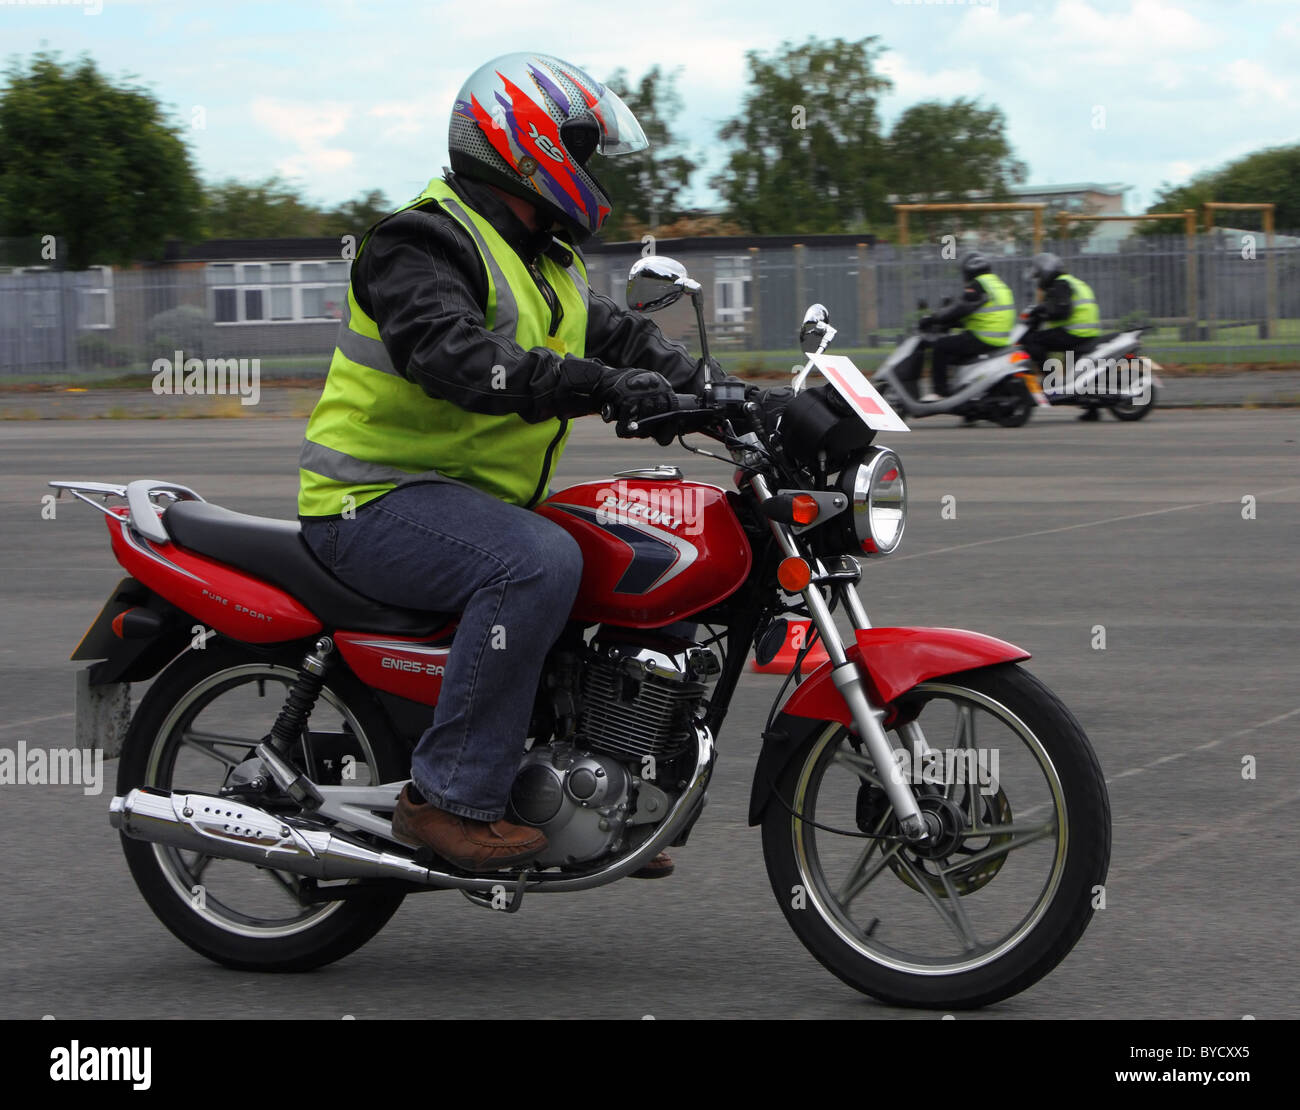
343	96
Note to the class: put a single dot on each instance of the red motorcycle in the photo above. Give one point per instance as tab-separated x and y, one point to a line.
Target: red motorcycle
934	821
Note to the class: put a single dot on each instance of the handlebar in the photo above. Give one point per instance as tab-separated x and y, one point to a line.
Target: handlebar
686	402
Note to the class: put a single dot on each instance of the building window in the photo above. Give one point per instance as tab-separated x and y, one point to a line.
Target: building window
732	297
276	292
95	298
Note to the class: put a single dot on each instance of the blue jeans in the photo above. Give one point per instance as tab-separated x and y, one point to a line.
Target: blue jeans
511	574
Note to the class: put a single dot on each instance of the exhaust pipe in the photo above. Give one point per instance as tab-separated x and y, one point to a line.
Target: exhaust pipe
227	829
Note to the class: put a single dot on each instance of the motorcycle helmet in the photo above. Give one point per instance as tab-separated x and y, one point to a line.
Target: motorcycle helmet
528	123
973	263
1045	269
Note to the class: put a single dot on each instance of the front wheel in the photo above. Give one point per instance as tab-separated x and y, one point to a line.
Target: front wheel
200	720
1128	409
997	897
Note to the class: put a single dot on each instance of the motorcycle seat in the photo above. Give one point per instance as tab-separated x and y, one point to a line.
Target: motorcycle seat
274	551
984	356
1090	345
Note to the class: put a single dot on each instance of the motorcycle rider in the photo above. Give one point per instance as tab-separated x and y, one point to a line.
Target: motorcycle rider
470	340
1069	307
986	312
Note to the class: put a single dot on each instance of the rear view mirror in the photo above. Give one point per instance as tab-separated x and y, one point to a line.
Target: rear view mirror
655	282
815	322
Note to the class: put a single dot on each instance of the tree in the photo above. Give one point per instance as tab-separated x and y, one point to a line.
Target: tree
944	152
273	209
646	187
807	152
267	209
354	217
91	162
1269	175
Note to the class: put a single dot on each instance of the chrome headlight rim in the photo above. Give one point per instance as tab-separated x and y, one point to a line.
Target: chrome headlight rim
878	505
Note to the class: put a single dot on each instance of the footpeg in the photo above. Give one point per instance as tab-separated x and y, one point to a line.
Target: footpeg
496	898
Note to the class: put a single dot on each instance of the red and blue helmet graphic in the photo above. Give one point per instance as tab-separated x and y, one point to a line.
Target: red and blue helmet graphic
510	118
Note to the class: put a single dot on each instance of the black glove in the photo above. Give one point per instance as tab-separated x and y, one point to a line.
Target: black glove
926	322
630	396
1035	314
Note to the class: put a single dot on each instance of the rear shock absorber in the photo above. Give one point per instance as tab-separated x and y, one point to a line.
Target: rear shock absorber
292	721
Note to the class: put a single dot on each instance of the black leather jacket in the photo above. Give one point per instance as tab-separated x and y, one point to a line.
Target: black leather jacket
420	278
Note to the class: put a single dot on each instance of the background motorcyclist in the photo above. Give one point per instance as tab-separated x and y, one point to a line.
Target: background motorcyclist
1066	319
471	338
986	312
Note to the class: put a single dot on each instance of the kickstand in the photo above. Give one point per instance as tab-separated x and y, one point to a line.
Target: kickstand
496	898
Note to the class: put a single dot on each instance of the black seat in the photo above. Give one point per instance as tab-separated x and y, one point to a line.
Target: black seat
1090	345
275	551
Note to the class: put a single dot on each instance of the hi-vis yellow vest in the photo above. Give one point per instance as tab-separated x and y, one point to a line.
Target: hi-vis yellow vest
1085	318
372	430
994	321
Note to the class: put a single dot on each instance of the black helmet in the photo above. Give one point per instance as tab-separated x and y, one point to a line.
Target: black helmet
1045	269
972	263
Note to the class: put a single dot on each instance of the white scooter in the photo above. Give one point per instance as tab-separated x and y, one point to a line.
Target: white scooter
999	386
1108	372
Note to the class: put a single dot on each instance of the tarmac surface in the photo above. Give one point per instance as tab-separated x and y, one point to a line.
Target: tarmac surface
1179	534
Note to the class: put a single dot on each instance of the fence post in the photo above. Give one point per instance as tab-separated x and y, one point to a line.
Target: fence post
755	311
1193	301
868	319
800	294
1270	274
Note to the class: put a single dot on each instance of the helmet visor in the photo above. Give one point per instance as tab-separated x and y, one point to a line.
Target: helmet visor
619	131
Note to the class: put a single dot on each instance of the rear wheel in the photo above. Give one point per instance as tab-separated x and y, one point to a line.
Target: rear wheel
990	904
200	720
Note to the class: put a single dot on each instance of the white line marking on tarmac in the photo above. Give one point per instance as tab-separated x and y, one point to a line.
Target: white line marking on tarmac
36	720
1083	524
1203	747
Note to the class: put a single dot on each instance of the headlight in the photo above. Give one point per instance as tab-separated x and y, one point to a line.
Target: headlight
877	491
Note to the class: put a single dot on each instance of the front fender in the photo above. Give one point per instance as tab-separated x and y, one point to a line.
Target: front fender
891	661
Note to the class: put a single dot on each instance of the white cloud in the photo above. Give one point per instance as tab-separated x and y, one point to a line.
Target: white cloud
1258	87
306	124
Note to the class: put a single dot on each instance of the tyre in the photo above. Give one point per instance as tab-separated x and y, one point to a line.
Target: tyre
1128	410
1002	891
199	720
1010	404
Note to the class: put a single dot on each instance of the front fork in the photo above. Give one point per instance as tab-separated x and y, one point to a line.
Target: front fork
848	680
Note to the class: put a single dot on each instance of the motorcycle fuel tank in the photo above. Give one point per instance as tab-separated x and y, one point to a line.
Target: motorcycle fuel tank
654	551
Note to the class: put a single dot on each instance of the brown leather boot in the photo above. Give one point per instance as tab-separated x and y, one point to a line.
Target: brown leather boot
469	844
658	868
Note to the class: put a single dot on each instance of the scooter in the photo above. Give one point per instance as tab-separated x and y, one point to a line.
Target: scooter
1108	372
999	386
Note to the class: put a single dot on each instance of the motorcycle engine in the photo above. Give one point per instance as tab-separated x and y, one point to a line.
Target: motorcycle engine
603	789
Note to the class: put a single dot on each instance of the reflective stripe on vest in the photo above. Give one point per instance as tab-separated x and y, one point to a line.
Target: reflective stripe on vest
1085	318
373	429
995	319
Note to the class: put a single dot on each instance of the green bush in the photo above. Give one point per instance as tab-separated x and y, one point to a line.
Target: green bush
185	328
98	352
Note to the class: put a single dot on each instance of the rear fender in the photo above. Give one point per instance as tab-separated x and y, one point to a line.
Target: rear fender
136	634
892	661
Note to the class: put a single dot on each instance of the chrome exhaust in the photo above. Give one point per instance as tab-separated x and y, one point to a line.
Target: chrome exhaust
227	829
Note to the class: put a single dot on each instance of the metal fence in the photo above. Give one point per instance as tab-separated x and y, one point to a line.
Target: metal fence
1224	297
